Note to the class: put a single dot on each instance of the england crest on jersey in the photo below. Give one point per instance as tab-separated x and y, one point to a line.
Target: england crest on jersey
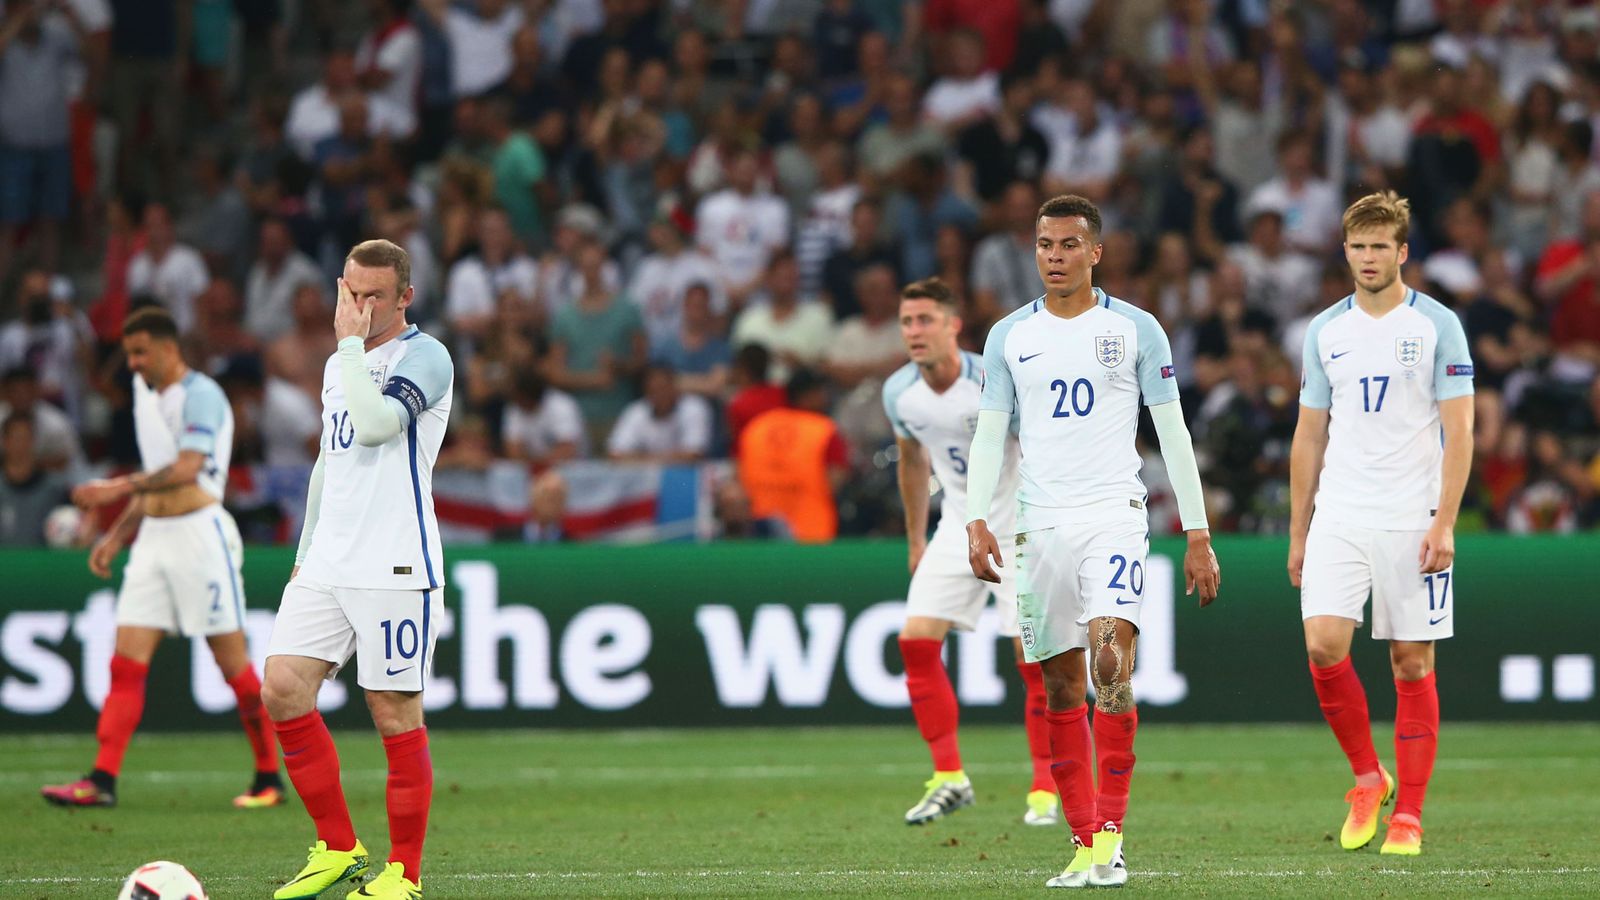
1408	350
378	373
1109	349
971	422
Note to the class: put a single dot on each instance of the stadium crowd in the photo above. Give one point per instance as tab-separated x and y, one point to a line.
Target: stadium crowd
640	224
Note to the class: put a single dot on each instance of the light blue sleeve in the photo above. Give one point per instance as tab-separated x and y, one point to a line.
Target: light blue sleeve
204	409
1452	359
892	389
999	391
1315	390
422	376
1158	378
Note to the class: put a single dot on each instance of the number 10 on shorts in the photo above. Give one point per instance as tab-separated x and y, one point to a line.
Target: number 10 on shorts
402	638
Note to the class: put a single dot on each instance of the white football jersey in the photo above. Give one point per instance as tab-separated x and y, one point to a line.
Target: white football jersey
1075	386
190	414
1381	381
376	528
943	424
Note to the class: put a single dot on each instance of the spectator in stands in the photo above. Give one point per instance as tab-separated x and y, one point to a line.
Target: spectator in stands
1310	205
1085	154
993	25
1195	197
825	222
560	283
665	425
219	335
662	280
534	90
541	425
902	134
35	159
519	169
1004	274
279	274
28	491
300	354
218	221
51	338
1578	177
55	440
1569	282
146	87
741	226
286	421
697	352
866	349
796	332
1455	152
753	393
388	61
1278	279
925	203
1004	147
480	43
1245	125
792	461
315	114
498	271
867	247
173	273
596	346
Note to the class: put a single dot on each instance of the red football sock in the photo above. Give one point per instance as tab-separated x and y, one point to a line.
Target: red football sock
933	701
313	764
121	712
1416	740
1072	755
1344	705
1038	729
409	795
247	689
1113	745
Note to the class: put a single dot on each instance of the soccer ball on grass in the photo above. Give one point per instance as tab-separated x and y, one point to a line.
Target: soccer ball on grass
162	880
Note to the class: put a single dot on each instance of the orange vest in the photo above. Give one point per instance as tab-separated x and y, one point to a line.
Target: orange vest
783	466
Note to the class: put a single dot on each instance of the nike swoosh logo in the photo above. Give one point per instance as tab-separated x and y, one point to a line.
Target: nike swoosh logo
1122	602
397	671
1411	737
1119	771
1023	359
310	875
1337	355
1438	620
294	752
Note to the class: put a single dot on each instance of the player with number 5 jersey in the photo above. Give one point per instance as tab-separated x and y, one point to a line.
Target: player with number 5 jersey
1379	461
1072	367
368	575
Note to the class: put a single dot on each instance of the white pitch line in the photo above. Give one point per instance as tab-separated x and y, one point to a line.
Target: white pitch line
931	872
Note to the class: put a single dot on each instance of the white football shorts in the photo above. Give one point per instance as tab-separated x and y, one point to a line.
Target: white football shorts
1069	575
183	575
1344	563
943	587
391	633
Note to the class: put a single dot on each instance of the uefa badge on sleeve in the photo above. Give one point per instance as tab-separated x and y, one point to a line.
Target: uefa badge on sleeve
1408	350
1109	349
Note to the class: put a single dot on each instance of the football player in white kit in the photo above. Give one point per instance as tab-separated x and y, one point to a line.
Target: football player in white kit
1382	453
368	574
1072	366
182	575
933	404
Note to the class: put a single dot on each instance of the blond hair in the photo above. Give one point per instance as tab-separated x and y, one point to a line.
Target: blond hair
382	254
1380	210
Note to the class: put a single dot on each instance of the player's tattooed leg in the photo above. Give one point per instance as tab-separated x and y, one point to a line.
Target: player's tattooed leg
1112	669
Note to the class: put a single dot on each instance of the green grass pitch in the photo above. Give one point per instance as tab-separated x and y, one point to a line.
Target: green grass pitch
1216	811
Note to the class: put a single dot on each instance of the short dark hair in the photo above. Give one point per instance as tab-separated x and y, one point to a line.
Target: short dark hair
802	382
529	385
754	360
931	289
1067	206
152	320
382	254
18	373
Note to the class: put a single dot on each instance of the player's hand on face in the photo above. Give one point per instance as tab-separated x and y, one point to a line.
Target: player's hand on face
351	317
981	547
1438	550
98	492
103	554
1297	559
1200	571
